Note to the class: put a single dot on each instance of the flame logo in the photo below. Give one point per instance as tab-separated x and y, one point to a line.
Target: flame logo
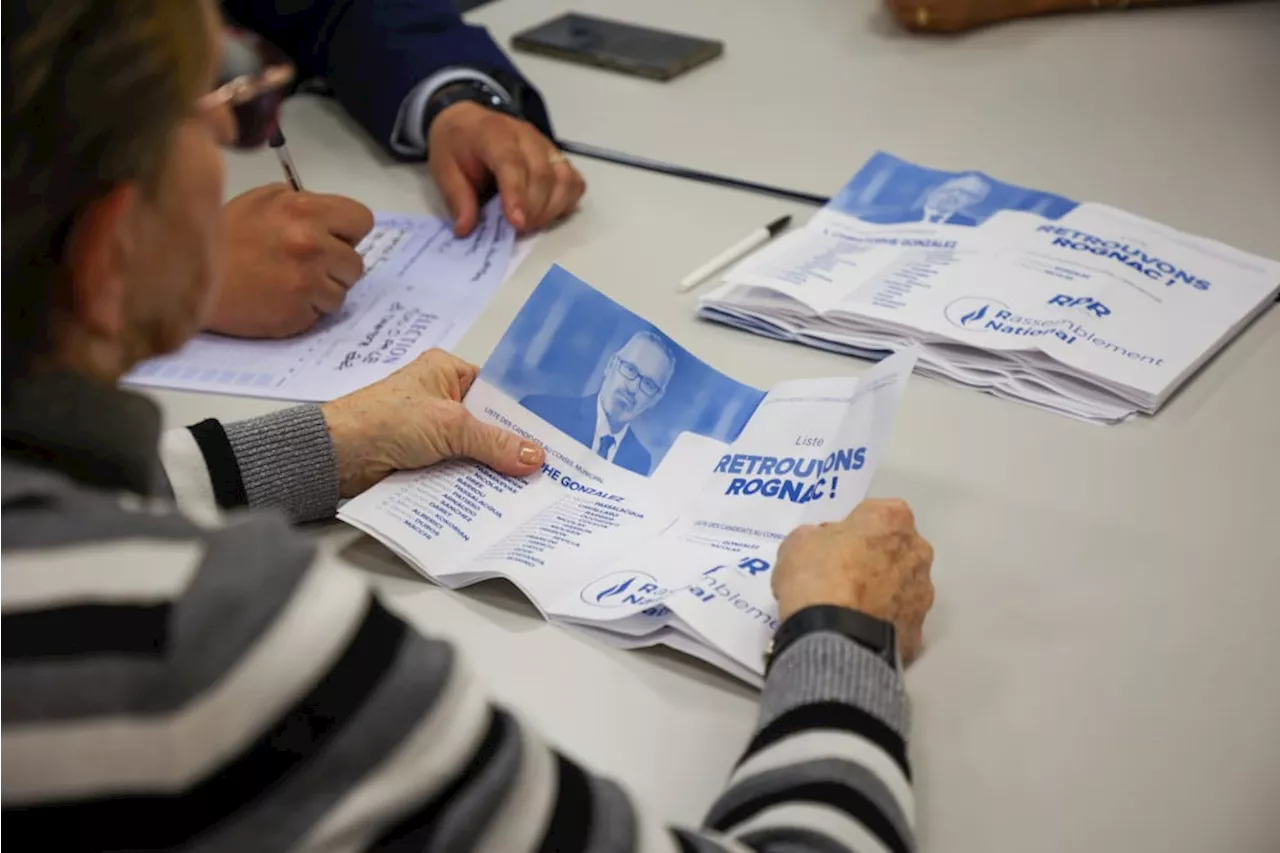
970	312
616	589
620	589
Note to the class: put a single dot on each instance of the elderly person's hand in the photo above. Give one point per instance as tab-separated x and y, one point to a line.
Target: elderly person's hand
873	561
469	146
949	16
415	418
945	16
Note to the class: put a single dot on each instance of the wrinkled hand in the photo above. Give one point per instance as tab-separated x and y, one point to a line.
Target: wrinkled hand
873	561
949	16
470	145
290	259
415	418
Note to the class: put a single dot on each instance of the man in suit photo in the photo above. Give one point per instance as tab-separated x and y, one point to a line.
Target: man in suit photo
950	201
635	379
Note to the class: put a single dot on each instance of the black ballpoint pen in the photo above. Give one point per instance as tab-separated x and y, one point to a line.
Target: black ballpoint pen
286	162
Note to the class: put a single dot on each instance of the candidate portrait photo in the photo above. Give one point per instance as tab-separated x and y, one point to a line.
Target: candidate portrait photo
608	379
890	191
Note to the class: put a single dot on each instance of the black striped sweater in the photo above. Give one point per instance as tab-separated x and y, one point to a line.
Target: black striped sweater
177	675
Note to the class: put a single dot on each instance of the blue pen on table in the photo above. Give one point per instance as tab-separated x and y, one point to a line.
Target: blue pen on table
286	161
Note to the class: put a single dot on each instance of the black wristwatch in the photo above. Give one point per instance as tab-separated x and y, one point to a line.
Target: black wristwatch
869	632
474	91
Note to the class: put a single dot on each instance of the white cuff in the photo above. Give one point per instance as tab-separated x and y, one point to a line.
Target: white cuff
407	135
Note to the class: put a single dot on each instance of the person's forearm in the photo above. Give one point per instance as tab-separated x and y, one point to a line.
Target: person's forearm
284	459
944	16
373	53
827	765
825	771
829	757
314	718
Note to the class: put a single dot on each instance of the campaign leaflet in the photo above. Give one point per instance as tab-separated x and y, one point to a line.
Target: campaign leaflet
667	485
807	456
1075	307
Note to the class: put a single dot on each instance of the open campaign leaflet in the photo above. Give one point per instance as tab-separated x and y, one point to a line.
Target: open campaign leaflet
667	488
423	287
1077	308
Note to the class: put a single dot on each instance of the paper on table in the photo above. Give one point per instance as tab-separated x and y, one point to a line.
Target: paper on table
670	539
1077	308
423	287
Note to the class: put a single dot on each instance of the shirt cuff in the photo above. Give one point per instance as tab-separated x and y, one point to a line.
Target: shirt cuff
408	135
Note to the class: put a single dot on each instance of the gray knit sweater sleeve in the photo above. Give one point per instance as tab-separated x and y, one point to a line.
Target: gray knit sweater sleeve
286	460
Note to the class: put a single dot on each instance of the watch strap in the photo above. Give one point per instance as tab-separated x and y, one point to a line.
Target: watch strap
471	91
875	635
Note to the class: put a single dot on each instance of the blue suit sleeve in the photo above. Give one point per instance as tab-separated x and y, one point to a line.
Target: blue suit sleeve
373	52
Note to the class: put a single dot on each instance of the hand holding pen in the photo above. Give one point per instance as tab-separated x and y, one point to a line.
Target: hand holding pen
291	256
286	160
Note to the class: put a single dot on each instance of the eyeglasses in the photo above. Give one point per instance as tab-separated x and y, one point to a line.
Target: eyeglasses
252	83
629	372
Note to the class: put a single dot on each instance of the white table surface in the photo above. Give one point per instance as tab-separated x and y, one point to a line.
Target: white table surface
1100	671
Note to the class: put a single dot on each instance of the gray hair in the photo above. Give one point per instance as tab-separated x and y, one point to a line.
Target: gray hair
657	340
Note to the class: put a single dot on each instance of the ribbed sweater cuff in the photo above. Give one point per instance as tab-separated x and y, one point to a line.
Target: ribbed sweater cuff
827	667
286	460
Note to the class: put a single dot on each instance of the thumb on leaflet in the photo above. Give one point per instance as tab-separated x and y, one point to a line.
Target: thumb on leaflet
500	449
458	194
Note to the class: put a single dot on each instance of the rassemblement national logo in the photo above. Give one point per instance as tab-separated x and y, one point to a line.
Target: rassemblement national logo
980	314
969	312
621	589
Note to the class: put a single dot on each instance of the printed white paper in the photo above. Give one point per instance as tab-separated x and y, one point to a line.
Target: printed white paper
1078	308
667	488
422	288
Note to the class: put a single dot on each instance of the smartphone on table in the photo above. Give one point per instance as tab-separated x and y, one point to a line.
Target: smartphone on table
655	54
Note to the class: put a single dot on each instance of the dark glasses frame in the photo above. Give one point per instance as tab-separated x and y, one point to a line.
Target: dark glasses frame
254	79
255	76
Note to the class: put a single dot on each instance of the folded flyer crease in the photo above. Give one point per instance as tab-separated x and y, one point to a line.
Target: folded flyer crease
667	486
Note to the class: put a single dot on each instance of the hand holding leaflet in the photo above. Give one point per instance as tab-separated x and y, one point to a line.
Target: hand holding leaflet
847	564
609	397
667	486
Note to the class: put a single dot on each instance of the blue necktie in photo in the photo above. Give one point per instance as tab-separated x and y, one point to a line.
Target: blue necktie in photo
606	444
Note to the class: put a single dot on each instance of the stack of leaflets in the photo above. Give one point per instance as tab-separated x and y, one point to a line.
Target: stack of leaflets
1077	308
667	488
